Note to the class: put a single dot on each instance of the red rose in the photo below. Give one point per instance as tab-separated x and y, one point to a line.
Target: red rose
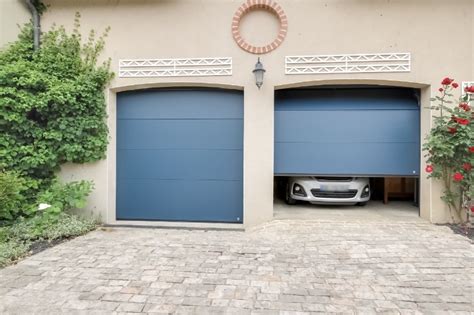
469	89
452	130
461	121
458	177
440	89
467	166
471	149
447	81
465	106
472	209
429	168
455	85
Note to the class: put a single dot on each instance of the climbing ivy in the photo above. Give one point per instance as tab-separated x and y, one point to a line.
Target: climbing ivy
40	6
52	103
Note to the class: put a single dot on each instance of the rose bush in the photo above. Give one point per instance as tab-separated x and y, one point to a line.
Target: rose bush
449	148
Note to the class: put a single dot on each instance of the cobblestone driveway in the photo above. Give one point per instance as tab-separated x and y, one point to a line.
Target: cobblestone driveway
281	267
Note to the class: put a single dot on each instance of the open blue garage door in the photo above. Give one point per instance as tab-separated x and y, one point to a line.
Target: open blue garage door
347	131
179	155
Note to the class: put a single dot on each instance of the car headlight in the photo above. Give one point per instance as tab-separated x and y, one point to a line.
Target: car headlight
365	192
298	190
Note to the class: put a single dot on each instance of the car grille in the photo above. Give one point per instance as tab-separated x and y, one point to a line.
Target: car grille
334	194
333	179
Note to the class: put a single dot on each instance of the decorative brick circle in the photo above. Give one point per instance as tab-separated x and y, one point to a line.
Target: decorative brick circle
251	5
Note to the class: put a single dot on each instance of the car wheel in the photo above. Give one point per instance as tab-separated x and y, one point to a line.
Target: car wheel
288	199
361	204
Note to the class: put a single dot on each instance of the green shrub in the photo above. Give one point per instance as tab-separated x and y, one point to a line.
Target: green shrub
64	197
68	226
11	198
11	251
52	111
37	228
16	239
52	106
4	235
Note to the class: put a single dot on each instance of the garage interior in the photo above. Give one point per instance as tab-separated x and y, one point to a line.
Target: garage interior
350	131
402	203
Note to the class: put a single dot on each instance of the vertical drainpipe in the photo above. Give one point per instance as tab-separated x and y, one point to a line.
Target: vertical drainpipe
36	23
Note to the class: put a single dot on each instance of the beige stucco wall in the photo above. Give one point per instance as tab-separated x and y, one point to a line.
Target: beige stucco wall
12	14
435	32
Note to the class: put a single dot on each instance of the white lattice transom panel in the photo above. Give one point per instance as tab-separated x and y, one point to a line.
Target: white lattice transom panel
356	63
192	67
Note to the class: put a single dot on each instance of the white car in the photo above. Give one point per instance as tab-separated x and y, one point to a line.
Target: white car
328	190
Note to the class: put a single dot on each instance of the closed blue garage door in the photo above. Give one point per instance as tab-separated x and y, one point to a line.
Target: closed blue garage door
179	155
352	131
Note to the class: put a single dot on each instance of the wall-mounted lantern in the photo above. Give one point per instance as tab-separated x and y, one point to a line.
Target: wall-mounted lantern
258	72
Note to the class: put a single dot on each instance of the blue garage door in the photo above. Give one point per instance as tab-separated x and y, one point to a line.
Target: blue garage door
371	132
179	155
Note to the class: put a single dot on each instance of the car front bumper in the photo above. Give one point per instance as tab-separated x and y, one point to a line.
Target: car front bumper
330	192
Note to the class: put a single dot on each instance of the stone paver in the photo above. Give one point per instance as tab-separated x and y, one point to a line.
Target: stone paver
283	267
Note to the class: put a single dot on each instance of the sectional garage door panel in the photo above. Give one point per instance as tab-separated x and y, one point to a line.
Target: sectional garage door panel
179	155
181	164
347	126
223	134
371	132
181	104
332	159
180	200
